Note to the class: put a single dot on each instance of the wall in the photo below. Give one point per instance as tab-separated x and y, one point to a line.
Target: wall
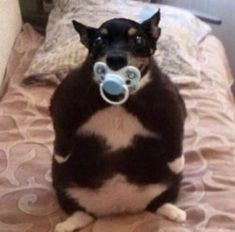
225	9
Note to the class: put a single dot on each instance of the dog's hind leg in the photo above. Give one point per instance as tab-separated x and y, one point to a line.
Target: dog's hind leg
164	204
172	212
76	221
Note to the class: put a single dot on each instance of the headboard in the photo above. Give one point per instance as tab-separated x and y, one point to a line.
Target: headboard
10	26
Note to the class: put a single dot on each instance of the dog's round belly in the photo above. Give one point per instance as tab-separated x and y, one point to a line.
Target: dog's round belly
116	196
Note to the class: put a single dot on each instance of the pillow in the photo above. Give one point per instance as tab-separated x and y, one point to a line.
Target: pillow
63	51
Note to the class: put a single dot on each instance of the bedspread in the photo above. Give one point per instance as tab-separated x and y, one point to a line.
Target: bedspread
27	201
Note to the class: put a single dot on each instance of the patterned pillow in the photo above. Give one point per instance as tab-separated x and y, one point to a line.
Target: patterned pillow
62	50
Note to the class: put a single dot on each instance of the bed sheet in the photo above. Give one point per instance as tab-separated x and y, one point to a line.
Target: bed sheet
207	193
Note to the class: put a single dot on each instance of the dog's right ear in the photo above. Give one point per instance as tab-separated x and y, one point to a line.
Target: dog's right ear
86	33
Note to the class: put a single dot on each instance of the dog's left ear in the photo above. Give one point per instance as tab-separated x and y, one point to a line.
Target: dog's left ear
86	33
151	25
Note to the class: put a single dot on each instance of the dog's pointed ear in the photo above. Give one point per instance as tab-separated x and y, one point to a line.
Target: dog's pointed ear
151	25
86	33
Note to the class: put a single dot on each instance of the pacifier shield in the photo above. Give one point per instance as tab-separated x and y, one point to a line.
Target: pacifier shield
116	83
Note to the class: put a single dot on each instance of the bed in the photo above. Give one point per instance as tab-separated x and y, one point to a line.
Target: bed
27	201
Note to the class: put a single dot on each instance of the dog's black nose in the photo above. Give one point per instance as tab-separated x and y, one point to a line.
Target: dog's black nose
116	61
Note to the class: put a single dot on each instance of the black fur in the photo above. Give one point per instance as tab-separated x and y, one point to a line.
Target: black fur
158	106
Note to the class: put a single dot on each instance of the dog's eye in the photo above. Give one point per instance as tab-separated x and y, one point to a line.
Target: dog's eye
139	41
99	42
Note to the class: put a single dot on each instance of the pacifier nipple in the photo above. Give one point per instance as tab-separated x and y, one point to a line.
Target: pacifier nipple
113	85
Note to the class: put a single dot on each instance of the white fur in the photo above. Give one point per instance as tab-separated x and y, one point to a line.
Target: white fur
116	126
132	31
116	196
177	165
77	221
172	212
60	159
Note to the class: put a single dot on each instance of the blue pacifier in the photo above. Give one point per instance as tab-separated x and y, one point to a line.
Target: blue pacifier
124	81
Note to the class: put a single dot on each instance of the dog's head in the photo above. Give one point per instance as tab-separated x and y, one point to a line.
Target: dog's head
121	42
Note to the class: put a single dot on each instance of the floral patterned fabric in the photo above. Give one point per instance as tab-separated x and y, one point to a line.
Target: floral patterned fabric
27	200
62	50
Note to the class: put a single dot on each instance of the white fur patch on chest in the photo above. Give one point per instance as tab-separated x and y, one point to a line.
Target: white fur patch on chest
116	126
116	196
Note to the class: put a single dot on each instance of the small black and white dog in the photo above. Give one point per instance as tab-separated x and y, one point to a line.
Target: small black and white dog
117	159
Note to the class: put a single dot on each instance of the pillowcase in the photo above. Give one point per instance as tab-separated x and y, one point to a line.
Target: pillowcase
63	51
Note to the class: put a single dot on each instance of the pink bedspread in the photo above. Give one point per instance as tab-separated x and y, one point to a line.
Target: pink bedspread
27	201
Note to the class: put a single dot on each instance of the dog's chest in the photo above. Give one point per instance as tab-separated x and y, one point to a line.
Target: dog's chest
116	196
116	126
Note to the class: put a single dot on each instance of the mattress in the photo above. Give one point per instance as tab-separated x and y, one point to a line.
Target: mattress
207	192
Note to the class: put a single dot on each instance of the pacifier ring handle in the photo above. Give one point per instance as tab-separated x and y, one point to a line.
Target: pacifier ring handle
126	95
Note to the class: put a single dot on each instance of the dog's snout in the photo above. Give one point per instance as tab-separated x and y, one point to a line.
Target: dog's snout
116	62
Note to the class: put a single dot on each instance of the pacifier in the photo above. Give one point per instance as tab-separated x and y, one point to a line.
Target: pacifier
124	81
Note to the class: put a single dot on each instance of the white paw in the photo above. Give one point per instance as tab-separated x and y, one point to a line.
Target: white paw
64	227
77	221
172	212
60	159
177	165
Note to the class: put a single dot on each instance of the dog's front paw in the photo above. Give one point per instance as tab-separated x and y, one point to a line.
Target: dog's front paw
172	212
177	165
60	159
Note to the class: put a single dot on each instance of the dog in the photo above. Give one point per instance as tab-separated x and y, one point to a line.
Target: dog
126	158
